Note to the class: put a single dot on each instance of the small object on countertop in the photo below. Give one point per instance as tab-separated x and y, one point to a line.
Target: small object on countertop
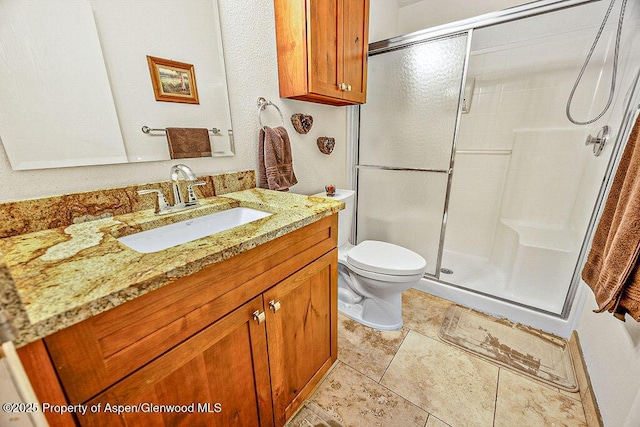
330	189
326	144
302	123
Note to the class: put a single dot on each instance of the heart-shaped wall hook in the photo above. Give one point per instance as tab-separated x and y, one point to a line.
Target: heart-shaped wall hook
302	123
326	144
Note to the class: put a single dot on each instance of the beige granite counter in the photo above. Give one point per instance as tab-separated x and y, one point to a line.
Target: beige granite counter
53	278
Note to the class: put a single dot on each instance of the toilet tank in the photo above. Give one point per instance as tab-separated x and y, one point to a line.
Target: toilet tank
345	216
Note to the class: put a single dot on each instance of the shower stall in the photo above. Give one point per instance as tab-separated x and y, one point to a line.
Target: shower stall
465	156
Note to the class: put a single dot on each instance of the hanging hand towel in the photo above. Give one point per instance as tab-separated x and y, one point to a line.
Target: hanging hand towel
274	159
188	142
611	269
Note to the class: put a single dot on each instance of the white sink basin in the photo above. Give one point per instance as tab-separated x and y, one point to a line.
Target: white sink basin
171	235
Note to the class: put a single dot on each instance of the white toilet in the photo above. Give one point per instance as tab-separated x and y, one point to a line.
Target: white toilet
372	274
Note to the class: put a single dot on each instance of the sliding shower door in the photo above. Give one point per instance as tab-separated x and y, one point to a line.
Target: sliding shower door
407	135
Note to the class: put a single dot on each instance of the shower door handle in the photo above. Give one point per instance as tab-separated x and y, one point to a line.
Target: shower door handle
599	140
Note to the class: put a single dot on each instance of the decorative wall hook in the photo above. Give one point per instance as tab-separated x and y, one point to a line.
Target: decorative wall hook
302	123
326	144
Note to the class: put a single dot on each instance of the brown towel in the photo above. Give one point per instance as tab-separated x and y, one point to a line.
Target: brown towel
611	269
188	142
274	159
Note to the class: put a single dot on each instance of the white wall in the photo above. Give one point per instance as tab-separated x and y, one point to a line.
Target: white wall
383	19
429	13
250	52
612	352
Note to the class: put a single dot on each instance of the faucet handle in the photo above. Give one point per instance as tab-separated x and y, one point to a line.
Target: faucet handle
192	200
161	203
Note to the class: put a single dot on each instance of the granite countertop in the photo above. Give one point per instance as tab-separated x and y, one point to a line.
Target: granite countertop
53	278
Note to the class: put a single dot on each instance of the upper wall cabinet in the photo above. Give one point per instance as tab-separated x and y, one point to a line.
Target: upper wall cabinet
322	50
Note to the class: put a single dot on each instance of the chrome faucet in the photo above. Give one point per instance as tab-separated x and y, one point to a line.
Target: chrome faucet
189	176
162	206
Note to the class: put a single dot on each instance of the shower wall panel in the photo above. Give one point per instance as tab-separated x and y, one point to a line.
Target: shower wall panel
538	208
521	85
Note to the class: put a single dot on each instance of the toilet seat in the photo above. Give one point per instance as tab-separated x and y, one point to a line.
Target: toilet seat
388	278
372	257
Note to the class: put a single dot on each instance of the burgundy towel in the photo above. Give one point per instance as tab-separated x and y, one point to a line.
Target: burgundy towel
611	269
274	159
188	142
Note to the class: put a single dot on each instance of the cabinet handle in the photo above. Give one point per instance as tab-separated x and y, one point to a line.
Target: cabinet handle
348	88
274	305
342	86
259	316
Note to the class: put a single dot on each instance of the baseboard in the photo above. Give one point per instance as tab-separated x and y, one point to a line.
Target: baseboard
589	402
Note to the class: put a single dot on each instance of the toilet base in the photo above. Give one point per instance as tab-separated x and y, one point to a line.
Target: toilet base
354	312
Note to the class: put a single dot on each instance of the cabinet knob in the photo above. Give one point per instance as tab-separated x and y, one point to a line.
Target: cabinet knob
342	86
348	88
274	305
259	316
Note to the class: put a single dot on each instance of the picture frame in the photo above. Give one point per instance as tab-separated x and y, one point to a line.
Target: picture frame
173	81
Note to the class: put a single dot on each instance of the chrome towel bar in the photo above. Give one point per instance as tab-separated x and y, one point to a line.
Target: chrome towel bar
147	129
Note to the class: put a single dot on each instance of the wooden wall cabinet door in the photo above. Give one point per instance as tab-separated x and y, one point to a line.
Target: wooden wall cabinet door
322	50
221	374
302	330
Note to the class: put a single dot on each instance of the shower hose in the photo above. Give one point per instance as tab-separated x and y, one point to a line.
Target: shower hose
586	62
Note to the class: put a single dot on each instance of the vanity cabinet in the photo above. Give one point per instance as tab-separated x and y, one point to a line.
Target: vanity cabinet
242	342
219	377
322	50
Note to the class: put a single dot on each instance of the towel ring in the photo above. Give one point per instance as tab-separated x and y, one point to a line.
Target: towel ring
262	104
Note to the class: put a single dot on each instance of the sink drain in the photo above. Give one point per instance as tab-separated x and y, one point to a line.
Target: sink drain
446	271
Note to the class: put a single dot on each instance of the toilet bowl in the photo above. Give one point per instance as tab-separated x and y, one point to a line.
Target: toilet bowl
372	275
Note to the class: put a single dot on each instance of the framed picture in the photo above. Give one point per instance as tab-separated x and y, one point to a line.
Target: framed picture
173	81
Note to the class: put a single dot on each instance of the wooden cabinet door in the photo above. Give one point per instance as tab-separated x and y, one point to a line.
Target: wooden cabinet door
324	38
355	48
302	329
220	376
322	50
338	45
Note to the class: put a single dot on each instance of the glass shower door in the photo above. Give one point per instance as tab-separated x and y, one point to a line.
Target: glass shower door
407	135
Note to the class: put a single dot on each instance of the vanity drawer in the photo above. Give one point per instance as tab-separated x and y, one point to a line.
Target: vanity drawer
96	353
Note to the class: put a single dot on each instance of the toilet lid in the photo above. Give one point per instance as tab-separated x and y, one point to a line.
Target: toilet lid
386	258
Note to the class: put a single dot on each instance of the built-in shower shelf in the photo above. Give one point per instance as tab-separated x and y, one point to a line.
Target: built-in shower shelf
552	238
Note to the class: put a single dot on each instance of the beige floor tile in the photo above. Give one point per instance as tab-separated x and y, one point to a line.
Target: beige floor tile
311	415
456	387
366	350
524	402
574	395
422	312
355	400
434	422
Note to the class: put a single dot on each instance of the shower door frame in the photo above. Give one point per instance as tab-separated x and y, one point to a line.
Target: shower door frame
449	170
467	26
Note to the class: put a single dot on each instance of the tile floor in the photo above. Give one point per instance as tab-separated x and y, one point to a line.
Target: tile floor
412	378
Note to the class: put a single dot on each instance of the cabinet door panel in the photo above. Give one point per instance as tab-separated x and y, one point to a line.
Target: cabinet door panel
220	376
356	48
302	333
325	47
